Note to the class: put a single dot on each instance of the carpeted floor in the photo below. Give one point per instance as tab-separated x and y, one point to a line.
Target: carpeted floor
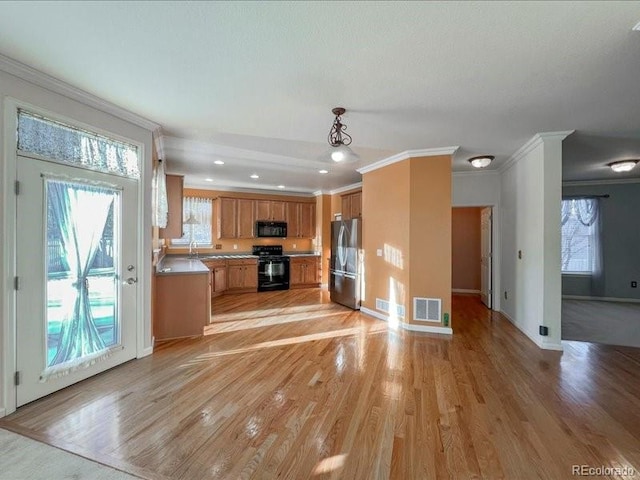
611	323
23	458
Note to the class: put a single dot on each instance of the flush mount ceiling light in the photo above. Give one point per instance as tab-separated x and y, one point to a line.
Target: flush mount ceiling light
323	172
340	140
281	186
481	161
208	179
623	165
218	162
255	176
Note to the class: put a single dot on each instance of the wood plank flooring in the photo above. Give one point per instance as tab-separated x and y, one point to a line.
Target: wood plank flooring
288	385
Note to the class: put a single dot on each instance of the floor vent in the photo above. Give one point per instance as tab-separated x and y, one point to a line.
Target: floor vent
382	305
386	307
427	309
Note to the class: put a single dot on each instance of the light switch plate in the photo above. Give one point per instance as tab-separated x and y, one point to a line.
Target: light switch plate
379	252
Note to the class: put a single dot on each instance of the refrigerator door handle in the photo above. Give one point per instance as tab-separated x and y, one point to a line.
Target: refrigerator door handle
337	273
350	275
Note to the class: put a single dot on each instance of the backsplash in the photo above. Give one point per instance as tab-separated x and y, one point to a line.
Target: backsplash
245	244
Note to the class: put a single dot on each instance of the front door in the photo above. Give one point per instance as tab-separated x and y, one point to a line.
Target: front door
77	265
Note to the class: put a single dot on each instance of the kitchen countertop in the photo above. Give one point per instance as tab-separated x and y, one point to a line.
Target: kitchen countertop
181	266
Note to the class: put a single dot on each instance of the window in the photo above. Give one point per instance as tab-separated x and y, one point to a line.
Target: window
580	236
197	220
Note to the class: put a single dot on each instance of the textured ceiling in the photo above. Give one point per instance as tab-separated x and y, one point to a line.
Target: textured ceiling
253	83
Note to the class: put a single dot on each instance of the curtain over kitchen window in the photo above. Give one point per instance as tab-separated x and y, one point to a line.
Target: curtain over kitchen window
197	217
52	139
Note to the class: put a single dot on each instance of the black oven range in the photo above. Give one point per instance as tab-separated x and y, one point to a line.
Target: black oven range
273	268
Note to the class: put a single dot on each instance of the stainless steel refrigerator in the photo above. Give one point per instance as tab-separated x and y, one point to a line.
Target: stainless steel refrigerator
345	282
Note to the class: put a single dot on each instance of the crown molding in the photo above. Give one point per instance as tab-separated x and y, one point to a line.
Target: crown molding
353	186
31	75
317	193
536	140
474	173
407	154
612	181
257	191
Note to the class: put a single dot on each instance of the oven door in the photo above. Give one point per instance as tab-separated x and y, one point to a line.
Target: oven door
273	274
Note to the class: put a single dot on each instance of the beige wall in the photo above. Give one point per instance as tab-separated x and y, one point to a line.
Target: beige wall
465	256
385	226
244	244
430	230
407	212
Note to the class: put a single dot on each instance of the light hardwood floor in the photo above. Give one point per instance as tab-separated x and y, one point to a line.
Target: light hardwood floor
288	385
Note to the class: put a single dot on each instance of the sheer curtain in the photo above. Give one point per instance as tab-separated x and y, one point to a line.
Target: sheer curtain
201	209
80	212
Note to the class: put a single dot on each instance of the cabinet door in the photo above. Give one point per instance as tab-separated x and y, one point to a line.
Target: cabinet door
307	220
296	272
263	209
220	279
346	207
293	219
250	276
227	212
174	200
246	218
278	211
311	271
235	276
356	205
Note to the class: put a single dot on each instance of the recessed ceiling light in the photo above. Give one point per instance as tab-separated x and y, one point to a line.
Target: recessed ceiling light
280	186
208	179
481	161
623	166
637	27
323	171
255	176
218	162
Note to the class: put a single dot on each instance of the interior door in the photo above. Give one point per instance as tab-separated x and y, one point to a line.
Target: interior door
77	239
486	256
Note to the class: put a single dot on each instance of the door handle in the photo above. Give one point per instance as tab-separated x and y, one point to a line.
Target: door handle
131	280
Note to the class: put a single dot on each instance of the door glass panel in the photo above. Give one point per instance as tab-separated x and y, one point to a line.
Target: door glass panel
82	252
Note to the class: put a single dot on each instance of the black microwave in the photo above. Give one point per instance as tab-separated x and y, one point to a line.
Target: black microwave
271	229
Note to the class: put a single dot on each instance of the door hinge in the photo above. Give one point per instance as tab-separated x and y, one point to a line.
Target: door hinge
16	283
16	379
16	187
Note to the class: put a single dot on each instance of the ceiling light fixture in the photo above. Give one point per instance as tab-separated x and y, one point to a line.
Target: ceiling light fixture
623	166
323	172
208	179
481	161
280	186
255	176
339	139
218	162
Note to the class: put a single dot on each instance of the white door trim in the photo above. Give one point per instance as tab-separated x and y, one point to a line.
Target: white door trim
8	254
495	252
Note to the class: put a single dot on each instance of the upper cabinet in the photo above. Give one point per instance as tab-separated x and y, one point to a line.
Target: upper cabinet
352	205
236	218
274	211
301	220
174	199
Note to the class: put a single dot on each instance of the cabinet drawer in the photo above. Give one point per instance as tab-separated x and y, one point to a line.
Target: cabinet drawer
248	261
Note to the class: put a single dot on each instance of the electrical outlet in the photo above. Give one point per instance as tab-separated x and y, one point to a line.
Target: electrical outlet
379	252
294	246
505	295
634	284
235	246
218	246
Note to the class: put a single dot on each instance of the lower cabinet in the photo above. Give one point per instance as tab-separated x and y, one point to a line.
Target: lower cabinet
218	276
242	276
304	272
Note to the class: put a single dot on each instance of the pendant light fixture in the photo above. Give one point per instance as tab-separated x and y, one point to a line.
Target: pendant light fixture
340	140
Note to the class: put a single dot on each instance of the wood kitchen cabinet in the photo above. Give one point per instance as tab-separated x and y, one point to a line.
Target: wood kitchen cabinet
218	269
301	220
183	305
235	217
352	205
242	275
175	184
304	272
274	211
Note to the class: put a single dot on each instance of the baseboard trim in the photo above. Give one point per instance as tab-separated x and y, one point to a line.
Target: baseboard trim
601	299
408	326
465	290
146	352
2	412
540	342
